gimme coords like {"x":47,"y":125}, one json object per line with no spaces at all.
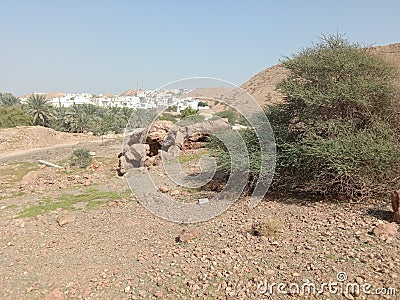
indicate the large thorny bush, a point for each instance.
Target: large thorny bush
{"x":337,"y":131}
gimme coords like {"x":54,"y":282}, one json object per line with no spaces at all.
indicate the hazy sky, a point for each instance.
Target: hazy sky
{"x":111,"y":46}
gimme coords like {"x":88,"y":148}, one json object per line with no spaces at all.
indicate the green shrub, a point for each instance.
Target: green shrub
{"x":202,"y":104}
{"x":228,"y":114}
{"x":337,"y":133}
{"x":188,"y":111}
{"x":172,"y":108}
{"x":81,"y":158}
{"x":11,"y":116}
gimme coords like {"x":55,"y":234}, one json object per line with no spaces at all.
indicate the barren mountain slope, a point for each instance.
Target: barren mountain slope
{"x":262,"y":85}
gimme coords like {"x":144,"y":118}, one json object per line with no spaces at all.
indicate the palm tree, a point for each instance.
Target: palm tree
{"x":8,"y":99}
{"x":40,"y":109}
{"x":77,"y":118}
{"x":126,"y":113}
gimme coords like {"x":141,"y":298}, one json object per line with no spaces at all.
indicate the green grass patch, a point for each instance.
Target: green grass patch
{"x":193,"y":157}
{"x":15,"y":172}
{"x":18,"y":194}
{"x":92,"y":196}
{"x":94,"y":204}
{"x":11,"y":206}
{"x":14,"y":195}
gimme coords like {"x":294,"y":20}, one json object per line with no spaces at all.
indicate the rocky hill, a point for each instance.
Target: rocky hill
{"x":262,"y":85}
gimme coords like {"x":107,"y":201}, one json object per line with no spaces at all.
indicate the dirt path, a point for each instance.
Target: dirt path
{"x":56,"y":152}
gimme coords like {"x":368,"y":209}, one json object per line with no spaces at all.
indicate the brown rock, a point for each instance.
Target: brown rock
{"x":163,"y":189}
{"x":29,"y":178}
{"x":386,"y":229}
{"x":187,"y":235}
{"x":56,"y":294}
{"x":136,"y":155}
{"x":175,"y":192}
{"x":65,"y":219}
{"x":396,"y":217}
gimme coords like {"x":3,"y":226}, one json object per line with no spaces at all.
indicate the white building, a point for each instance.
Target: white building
{"x":71,"y":99}
{"x":188,"y":102}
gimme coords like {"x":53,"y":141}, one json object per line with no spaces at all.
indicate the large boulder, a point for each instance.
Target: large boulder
{"x":159,"y":130}
{"x":207,"y":127}
{"x":136,"y":156}
{"x":136,"y":136}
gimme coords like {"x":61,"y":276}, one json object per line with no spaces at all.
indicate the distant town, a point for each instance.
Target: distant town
{"x":135,"y":99}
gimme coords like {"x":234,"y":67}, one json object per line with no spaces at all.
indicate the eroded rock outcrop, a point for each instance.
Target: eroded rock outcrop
{"x":164,"y":141}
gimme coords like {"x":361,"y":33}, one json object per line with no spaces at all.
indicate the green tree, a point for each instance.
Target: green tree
{"x":11,"y":116}
{"x":77,"y":120}
{"x":41,"y":110}
{"x":188,"y":111}
{"x":172,"y":108}
{"x":202,"y":104}
{"x":8,"y":99}
{"x":337,"y":132}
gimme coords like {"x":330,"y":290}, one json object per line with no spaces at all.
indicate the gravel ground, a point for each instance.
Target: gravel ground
{"x":121,"y":251}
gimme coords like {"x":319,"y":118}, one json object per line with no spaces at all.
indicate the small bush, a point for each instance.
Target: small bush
{"x":229,"y":114}
{"x":202,"y":104}
{"x":81,"y":158}
{"x":188,"y":111}
{"x":267,"y":228}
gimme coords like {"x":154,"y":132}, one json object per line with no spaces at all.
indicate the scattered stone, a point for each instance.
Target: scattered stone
{"x":65,"y":218}
{"x":163,"y":189}
{"x":159,"y":294}
{"x":187,"y":235}
{"x":175,"y":192}
{"x":386,"y":229}
{"x":359,"y":280}
{"x":56,"y":294}
{"x":270,"y":272}
{"x":202,"y":201}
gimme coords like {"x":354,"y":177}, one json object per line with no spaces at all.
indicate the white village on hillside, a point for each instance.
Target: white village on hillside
{"x":139,"y":99}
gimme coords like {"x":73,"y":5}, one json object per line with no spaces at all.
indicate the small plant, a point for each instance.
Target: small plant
{"x":188,"y":111}
{"x":202,"y":104}
{"x":168,"y":117}
{"x":81,"y":158}
{"x":266,"y":228}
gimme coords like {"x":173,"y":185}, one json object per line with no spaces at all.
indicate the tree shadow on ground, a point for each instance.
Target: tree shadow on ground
{"x":385,"y":215}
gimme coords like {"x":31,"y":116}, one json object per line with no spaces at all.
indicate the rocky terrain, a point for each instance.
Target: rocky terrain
{"x":80,"y":234}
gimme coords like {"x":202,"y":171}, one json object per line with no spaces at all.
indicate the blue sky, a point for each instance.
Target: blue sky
{"x":111,"y":46}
